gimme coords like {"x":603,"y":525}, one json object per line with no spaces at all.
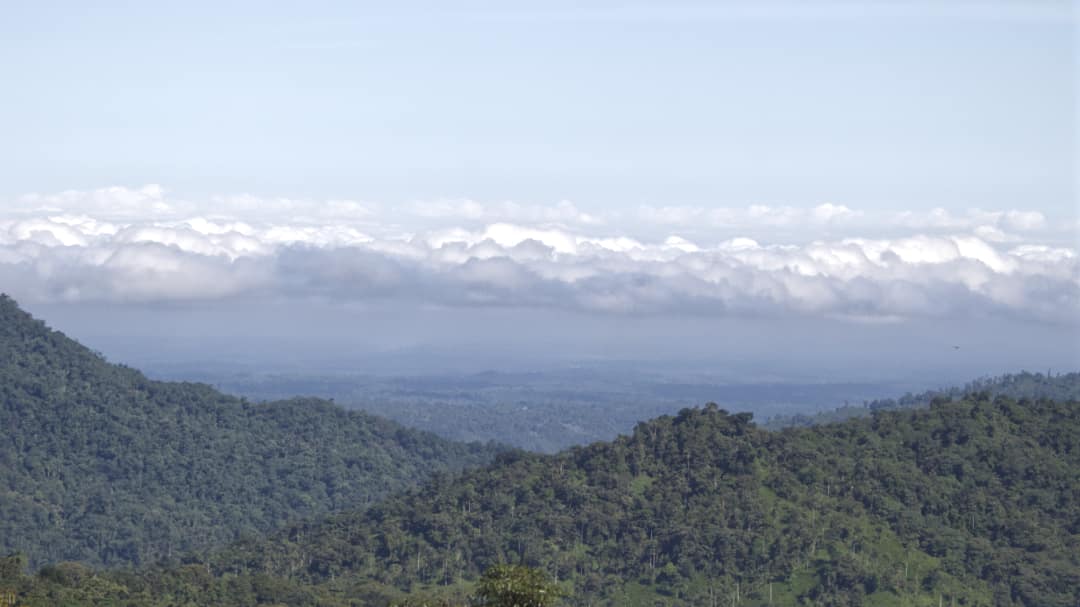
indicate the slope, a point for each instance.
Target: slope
{"x":971,"y":503}
{"x":100,"y":464}
{"x":1063,"y":386}
{"x":975,"y":502}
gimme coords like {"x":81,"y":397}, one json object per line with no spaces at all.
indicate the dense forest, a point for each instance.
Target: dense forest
{"x":971,"y":502}
{"x":98,"y":464}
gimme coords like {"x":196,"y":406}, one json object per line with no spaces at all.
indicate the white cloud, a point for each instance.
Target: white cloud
{"x":561,"y":213}
{"x":993,"y":234}
{"x":107,"y":203}
{"x":119,"y":244}
{"x":1023,"y":221}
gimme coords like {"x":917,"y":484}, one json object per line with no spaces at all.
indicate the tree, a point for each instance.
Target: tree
{"x":516,"y":586}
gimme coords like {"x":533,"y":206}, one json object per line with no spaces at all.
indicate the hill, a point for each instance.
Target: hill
{"x":101,"y":465}
{"x":974,"y":502}
{"x":1063,"y":386}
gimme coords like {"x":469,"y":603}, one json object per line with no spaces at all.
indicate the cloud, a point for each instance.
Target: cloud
{"x":113,"y":202}
{"x":939,"y":218}
{"x":119,"y":244}
{"x":564,"y":212}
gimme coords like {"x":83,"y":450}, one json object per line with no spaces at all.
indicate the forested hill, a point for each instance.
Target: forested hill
{"x":1062,"y":386}
{"x":975,"y":502}
{"x":100,"y":464}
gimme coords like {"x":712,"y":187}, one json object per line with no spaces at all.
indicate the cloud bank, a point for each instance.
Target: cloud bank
{"x":141,"y":245}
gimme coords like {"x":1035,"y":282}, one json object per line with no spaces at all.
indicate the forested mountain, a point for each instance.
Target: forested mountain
{"x":975,"y":502}
{"x":101,"y":465}
{"x":1063,"y":386}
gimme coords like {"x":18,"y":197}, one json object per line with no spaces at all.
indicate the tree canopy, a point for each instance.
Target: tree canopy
{"x":972,"y":502}
{"x":101,"y":465}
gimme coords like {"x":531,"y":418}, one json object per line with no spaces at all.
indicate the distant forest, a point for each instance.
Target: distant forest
{"x":546,"y":411}
{"x":1062,"y":386}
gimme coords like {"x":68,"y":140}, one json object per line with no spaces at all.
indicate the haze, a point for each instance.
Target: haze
{"x":776,"y":190}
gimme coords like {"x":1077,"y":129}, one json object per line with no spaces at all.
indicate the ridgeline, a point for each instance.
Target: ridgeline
{"x":101,"y":465}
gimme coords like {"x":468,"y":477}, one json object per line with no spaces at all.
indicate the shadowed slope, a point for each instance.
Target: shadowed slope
{"x":102,"y":465}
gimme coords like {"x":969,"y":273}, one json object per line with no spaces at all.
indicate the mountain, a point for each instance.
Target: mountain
{"x":101,"y":465}
{"x":974,"y":502}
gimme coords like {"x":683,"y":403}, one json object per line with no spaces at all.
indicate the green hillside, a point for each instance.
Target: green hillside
{"x":968,"y":502}
{"x":101,"y":465}
{"x":975,"y":502}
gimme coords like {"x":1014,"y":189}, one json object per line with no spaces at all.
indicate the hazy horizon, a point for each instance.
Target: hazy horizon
{"x":839,"y":189}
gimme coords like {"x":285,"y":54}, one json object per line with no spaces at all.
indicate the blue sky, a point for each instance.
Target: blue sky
{"x":867,"y":104}
{"x":618,"y":177}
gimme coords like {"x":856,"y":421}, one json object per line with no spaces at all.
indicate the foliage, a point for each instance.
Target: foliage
{"x":516,"y":586}
{"x":968,"y":503}
{"x":101,"y":465}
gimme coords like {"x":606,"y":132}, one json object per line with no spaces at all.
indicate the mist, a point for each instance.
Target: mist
{"x":404,"y":338}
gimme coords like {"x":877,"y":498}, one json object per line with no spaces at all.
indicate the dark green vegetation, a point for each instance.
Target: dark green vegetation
{"x":976,"y":500}
{"x":516,"y":586}
{"x":101,"y":465}
{"x":973,"y":502}
{"x":1063,"y":386}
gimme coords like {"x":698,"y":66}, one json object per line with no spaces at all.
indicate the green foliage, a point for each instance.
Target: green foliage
{"x":516,"y":586}
{"x":973,"y":502}
{"x":966,"y":503}
{"x":101,"y":465}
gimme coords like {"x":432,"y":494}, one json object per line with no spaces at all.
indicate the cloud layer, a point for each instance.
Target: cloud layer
{"x":121,"y":244}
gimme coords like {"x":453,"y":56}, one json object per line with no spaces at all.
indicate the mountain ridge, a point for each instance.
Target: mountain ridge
{"x":971,"y":502}
{"x":971,"y":498}
{"x":105,"y":466}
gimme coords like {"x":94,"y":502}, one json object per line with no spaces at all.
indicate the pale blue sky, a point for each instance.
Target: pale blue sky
{"x":908,"y":168}
{"x":870,"y":105}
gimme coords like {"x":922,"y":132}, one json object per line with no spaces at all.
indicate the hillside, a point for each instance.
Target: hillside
{"x":975,"y":502}
{"x":1063,"y":386}
{"x":101,"y":465}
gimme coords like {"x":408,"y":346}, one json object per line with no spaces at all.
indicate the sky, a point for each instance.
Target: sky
{"x":722,"y":181}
